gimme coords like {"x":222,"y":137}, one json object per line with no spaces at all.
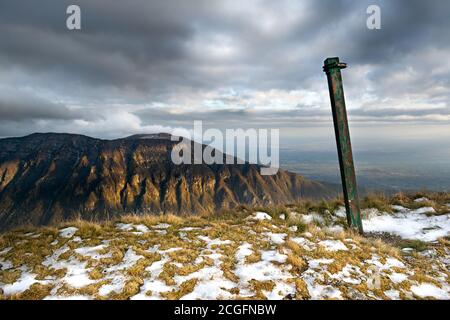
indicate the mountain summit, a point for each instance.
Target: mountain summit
{"x":48,"y":177}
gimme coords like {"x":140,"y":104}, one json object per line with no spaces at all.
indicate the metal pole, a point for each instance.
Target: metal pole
{"x":332,"y":67}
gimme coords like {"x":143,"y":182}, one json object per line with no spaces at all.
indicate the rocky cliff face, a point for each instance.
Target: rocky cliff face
{"x":47,"y":178}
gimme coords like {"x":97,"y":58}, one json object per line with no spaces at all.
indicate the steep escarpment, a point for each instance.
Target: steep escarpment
{"x":47,"y":178}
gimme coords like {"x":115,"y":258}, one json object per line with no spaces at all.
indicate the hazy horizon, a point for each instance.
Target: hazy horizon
{"x":383,"y":161}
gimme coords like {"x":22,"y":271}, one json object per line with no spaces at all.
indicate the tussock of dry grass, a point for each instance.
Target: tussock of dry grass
{"x":185,"y":288}
{"x":436,"y":200}
{"x":378,"y":201}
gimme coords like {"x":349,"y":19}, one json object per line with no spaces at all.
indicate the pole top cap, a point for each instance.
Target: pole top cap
{"x":333,"y":63}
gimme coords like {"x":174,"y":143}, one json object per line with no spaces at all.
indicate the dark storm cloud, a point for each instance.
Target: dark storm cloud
{"x":148,"y":44}
{"x":22,"y":106}
{"x":170,"y":61}
{"x":118,"y":45}
{"x":408,"y":26}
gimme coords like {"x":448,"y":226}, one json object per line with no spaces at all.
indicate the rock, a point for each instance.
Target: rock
{"x":260,"y":216}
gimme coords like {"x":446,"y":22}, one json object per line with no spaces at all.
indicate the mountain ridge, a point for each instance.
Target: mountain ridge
{"x":52,"y":177}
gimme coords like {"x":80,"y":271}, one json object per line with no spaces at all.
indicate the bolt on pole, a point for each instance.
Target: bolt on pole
{"x":332,"y":67}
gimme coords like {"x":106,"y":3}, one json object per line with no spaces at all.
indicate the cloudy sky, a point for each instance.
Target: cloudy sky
{"x":144,"y":66}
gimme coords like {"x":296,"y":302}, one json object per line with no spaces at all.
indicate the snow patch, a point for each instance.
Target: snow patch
{"x":273,"y":255}
{"x":243,"y":251}
{"x":24,"y":282}
{"x":116,"y":277}
{"x":390,"y":262}
{"x":93,"y":252}
{"x":399,"y":208}
{"x":392,"y":294}
{"x":211,"y":283}
{"x":341,"y":212}
{"x":162,"y":226}
{"x":189,"y":229}
{"x":213,"y":242}
{"x":333,"y":245}
{"x":264,"y":270}
{"x":259,"y":215}
{"x":141,"y":228}
{"x":315,"y":263}
{"x":411,"y":224}
{"x":397,"y":277}
{"x":67,"y":232}
{"x":304,"y":243}
{"x":318,"y":291}
{"x":312,"y":217}
{"x":5,"y":264}
{"x":5,"y":251}
{"x":349,"y":274}
{"x":424,"y":210}
{"x":124,"y":226}
{"x":277,"y":238}
{"x":426,"y":290}
{"x":151,"y":282}
{"x":76,"y":276}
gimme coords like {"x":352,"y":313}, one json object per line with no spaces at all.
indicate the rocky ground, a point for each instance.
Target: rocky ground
{"x":290,"y":253}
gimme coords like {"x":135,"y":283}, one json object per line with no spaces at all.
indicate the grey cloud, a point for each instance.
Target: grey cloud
{"x":301,"y":116}
{"x":141,"y":52}
{"x":27,"y":107}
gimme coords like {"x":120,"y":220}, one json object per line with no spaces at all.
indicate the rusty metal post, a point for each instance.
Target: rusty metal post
{"x":332,"y":67}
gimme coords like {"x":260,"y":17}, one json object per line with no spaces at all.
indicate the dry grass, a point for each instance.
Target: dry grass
{"x":378,"y":201}
{"x":299,"y":265}
{"x":185,"y":288}
{"x":32,"y":249}
{"x":436,"y":200}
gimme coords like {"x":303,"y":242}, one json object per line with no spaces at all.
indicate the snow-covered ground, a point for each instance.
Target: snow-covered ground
{"x":409,"y":224}
{"x":260,"y":256}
